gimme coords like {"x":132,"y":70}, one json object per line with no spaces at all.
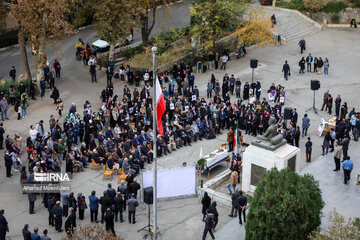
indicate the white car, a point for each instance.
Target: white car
{"x":103,"y":46}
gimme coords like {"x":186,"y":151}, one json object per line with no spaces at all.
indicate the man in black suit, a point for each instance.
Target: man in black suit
{"x":26,"y":233}
{"x":146,"y":151}
{"x":106,"y":203}
{"x":215,"y":124}
{"x":3,"y":225}
{"x":51,"y":204}
{"x":345,"y":146}
{"x":294,"y":117}
{"x":70,"y":222}
{"x":109,"y":221}
{"x":57,"y":211}
{"x":242,"y":206}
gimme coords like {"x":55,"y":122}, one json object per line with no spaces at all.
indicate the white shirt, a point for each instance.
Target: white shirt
{"x":33,"y":134}
{"x":224,"y":59}
{"x":92,"y":60}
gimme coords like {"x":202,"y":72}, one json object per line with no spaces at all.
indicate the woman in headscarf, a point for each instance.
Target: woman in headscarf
{"x":205,"y":201}
{"x":213,"y":210}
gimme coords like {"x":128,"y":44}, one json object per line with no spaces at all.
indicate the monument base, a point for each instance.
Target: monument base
{"x":257,"y":160}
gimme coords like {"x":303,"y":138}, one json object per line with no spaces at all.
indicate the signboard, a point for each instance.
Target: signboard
{"x":321,"y":127}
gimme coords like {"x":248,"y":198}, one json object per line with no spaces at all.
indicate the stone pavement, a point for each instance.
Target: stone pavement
{"x":183,"y":215}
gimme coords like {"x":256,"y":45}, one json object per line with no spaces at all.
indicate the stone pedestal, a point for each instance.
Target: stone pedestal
{"x":257,"y":160}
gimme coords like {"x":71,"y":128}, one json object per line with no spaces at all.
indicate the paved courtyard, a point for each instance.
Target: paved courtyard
{"x":181,"y":218}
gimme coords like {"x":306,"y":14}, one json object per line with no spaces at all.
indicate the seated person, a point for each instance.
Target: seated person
{"x":146,"y":151}
{"x":85,"y":152}
{"x":109,"y":133}
{"x":96,"y":157}
{"x":79,"y":157}
{"x":110,"y":145}
{"x":110,"y":163}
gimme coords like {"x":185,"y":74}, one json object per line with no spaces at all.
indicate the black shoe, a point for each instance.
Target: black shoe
{"x":60,"y":230}
{"x":230,"y":215}
{"x":134,"y":222}
{"x":240,"y":223}
{"x":335,"y":170}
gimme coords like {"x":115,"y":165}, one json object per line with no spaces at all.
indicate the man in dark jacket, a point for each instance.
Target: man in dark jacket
{"x":26,"y":233}
{"x":109,"y":221}
{"x":234,"y":204}
{"x":51,"y":204}
{"x":345,"y":146}
{"x":106,"y":203}
{"x":70,"y":222}
{"x":58,"y":212}
{"x":8,"y":163}
{"x":3,"y":225}
{"x":242,"y":206}
{"x":134,"y":187}
{"x":209,"y":225}
{"x":119,"y":203}
{"x":286,"y":70}
{"x":32,"y":199}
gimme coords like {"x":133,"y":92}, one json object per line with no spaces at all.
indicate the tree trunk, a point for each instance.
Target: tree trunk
{"x":111,"y":51}
{"x":144,"y":36}
{"x":24,"y":59}
{"x":39,"y":61}
{"x":273,"y":3}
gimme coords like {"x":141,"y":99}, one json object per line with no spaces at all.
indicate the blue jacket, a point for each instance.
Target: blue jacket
{"x":35,"y":236}
{"x":94,"y":202}
{"x":308,"y":146}
{"x":305,"y":122}
{"x":347,"y":165}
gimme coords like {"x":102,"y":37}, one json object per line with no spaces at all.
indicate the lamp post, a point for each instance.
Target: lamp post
{"x":154,"y":49}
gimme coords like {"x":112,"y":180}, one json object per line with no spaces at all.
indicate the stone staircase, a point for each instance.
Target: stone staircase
{"x":292,"y":24}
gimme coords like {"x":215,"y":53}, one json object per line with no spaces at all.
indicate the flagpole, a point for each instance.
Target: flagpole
{"x":154,"y":49}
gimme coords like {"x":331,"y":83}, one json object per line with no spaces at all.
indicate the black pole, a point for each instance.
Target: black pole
{"x":252,"y":77}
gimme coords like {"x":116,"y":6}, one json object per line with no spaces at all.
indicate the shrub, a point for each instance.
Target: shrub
{"x":297,"y":5}
{"x":356,"y":3}
{"x":285,"y":206}
{"x":335,"y":7}
{"x":7,"y":82}
{"x":130,"y":52}
{"x":314,"y":5}
{"x":8,"y":38}
{"x":335,"y":18}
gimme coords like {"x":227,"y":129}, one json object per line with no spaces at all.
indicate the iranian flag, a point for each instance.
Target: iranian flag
{"x":160,"y":107}
{"x":236,"y":139}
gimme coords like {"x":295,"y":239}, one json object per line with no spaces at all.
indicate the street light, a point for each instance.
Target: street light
{"x":154,"y":49}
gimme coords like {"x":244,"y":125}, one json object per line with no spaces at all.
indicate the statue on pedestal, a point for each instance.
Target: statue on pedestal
{"x":271,"y":140}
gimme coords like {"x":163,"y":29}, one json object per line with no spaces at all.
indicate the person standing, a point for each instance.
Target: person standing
{"x":326,"y":67}
{"x":337,"y":156}
{"x":333,"y":137}
{"x":205,"y":201}
{"x":230,"y":139}
{"x":234,"y":204}
{"x":12,"y":73}
{"x":105,"y":202}
{"x":234,"y":180}
{"x":42,"y":87}
{"x":58,"y":212}
{"x":132,"y":205}
{"x":119,"y":202}
{"x":35,"y":235}
{"x":81,"y":203}
{"x":326,"y":144}
{"x":319,"y":65}
{"x":4,"y":106}
{"x":32,"y":199}
{"x":51,"y":204}
{"x":308,"y":146}
{"x":345,"y":146}
{"x":191,"y":80}
{"x":286,"y":70}
{"x":217,"y":59}
{"x":242,"y":206}
{"x":94,"y":206}
{"x":337,"y":105}
{"x":26,"y":233}
{"x":109,"y":75}
{"x":325,"y":100}
{"x":329,"y":103}
{"x":57,"y":68}
{"x":302,"y":44}
{"x":214,"y":211}
{"x":309,"y":60}
{"x":224,"y":60}
{"x":8,"y":163}
{"x":45,"y":236}
{"x":4,"y":227}
{"x":297,"y":136}
{"x":109,"y":221}
{"x":93,"y":72}
{"x":64,"y":199}
{"x":347,"y":167}
{"x":305,"y":125}
{"x":302,"y":65}
{"x":209,"y":225}
{"x":70,"y":222}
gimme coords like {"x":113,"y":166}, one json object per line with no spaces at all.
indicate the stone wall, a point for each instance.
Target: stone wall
{"x":345,"y":15}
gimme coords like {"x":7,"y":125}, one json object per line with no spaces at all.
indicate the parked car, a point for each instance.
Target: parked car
{"x":103,"y":46}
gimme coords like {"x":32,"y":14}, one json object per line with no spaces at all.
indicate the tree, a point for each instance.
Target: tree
{"x":41,"y":22}
{"x":114,"y":19}
{"x":339,"y":228}
{"x":314,"y":5}
{"x":285,"y":206}
{"x":257,"y":30}
{"x":211,"y":18}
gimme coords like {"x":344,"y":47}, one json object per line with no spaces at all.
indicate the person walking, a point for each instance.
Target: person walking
{"x":93,"y":72}
{"x":242,"y":206}
{"x":234,"y":180}
{"x":209,"y":225}
{"x":57,"y":68}
{"x":326,"y":144}
{"x":286,"y":70}
{"x":132,"y":205}
{"x":308,"y":146}
{"x":58,"y":213}
{"x":309,"y":60}
{"x":94,"y":206}
{"x":347,"y":167}
{"x":205,"y":201}
{"x":302,"y":65}
{"x":337,"y":156}
{"x":326,"y":67}
{"x":302,"y":44}
{"x":4,"y":227}
{"x":109,"y":221}
{"x":214,"y":211}
{"x":12,"y":73}
{"x":234,"y":204}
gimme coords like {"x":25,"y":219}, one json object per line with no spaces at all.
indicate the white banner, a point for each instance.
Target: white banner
{"x":172,"y":182}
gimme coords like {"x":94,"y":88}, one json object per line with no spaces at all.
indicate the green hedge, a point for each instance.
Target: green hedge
{"x":7,"y":82}
{"x":335,"y":7}
{"x":8,"y":38}
{"x":294,"y":4}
